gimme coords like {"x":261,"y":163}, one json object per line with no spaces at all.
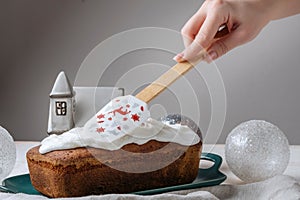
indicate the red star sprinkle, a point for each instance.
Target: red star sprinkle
{"x":100,"y":116}
{"x":142,"y":108}
{"x":100,"y":130}
{"x":135,"y":117}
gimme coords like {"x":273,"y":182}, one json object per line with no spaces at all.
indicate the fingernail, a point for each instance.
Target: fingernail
{"x":212,"y":55}
{"x":179,"y":57}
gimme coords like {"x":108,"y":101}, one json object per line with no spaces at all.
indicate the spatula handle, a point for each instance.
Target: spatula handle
{"x":165,"y":80}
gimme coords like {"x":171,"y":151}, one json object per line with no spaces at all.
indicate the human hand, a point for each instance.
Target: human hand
{"x":244,"y":20}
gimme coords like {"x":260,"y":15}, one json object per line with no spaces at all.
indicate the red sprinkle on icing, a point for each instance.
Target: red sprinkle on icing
{"x":100,"y":116}
{"x":120,"y":111}
{"x":117,"y":100}
{"x":125,"y":119}
{"x":100,"y":130}
{"x":110,"y":118}
{"x":135,"y":117}
{"x":128,"y":106}
{"x":100,"y":121}
{"x":119,"y":127}
{"x":142,"y":108}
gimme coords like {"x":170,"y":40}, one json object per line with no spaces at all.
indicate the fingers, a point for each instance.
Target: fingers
{"x":201,"y":41}
{"x":191,"y":28}
{"x":199,"y":32}
{"x":208,"y":31}
{"x":244,"y":21}
{"x":223,"y":45}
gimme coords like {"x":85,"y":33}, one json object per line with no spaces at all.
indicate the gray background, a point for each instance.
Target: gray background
{"x":39,"y":38}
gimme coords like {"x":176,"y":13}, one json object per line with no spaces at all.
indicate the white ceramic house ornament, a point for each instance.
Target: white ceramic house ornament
{"x":62,"y":105}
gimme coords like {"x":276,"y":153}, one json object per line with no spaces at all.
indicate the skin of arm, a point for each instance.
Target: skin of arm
{"x":244,"y":19}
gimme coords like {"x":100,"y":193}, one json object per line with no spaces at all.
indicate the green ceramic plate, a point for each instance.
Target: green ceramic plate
{"x":206,"y":177}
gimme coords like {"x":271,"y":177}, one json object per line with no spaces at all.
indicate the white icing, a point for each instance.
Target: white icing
{"x":139,"y":132}
{"x":152,"y":130}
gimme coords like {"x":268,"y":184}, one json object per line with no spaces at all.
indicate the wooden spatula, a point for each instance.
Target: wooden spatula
{"x":165,"y":80}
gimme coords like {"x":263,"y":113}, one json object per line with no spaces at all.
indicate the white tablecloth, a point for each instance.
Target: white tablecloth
{"x":281,"y":187}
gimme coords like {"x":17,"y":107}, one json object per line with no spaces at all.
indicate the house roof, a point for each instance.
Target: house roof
{"x":62,"y":86}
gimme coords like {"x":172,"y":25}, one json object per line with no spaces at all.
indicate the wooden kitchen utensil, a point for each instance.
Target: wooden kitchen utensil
{"x":165,"y":80}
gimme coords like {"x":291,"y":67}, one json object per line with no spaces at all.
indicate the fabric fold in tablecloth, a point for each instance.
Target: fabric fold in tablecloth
{"x":276,"y":188}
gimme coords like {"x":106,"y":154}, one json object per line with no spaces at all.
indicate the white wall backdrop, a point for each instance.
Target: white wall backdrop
{"x":40,"y":38}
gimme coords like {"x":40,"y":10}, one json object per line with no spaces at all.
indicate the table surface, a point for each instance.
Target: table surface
{"x":292,"y":169}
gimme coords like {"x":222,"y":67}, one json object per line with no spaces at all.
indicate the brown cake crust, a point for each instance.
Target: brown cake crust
{"x":86,"y":171}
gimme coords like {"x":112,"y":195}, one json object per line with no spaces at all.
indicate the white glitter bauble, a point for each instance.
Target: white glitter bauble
{"x":7,"y":153}
{"x":257,"y":150}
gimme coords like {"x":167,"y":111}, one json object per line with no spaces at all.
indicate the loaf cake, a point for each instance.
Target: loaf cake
{"x":78,"y":172}
{"x":81,"y":162}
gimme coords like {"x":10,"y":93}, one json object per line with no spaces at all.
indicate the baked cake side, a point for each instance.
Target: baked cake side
{"x":85,"y":171}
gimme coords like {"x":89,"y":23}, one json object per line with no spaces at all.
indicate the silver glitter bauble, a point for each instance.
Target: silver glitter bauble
{"x":257,"y":150}
{"x":172,"y":119}
{"x":7,"y":153}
